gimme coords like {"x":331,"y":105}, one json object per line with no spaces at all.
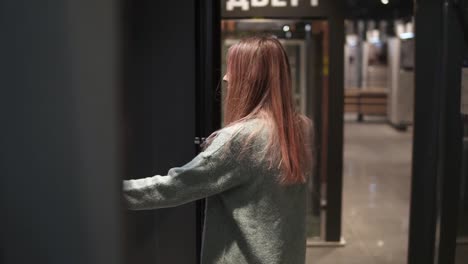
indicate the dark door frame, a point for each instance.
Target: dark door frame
{"x":437,"y":133}
{"x":332,"y":123}
{"x":208,"y":77}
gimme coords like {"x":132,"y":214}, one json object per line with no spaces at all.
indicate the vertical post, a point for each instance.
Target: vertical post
{"x":208,"y":69}
{"x":208,"y":66}
{"x":334,"y":161}
{"x":437,"y":133}
{"x":451,"y":134}
{"x":428,"y":29}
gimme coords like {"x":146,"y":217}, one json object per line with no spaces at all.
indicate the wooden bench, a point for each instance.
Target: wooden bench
{"x":365,"y":102}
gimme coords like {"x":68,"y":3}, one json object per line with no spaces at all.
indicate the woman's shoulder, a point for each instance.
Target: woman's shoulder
{"x":243,"y":128}
{"x":233,"y":136}
{"x":252,"y":131}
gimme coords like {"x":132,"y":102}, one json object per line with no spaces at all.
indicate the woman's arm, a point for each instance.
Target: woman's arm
{"x":210,"y":172}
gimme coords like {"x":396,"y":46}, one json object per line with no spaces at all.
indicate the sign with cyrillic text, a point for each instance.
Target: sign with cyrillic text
{"x":275,"y":8}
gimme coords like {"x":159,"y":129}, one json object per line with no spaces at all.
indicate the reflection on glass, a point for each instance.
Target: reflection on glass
{"x":303,"y":42}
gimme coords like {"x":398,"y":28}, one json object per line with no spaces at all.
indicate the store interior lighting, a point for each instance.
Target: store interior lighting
{"x":407,"y":35}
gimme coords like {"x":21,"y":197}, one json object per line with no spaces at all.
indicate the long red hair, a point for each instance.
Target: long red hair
{"x":259,"y":86}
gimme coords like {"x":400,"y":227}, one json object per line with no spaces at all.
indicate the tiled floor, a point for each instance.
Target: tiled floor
{"x":377,"y":167}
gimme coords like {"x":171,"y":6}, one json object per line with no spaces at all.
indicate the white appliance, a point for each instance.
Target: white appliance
{"x":400,"y":82}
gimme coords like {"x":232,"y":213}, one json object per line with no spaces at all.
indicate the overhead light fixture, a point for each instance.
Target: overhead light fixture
{"x":385,"y":2}
{"x":407,"y":35}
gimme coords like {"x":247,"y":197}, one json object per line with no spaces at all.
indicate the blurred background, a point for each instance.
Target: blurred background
{"x":94,"y":92}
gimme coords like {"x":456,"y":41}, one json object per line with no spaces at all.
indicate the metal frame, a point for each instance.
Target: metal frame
{"x":303,"y":84}
{"x":437,"y":133}
{"x":333,"y":106}
{"x":208,"y":103}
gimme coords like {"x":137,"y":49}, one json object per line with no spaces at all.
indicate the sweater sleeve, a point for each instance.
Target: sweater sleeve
{"x":210,"y":172}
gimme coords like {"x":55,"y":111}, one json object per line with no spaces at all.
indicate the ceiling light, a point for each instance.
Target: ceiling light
{"x":385,"y":2}
{"x":407,"y":35}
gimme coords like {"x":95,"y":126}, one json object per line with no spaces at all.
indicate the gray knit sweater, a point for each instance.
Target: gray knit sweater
{"x":250,"y":218}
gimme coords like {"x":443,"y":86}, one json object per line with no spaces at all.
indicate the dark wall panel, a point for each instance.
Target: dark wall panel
{"x":60,"y":153}
{"x":159,"y":101}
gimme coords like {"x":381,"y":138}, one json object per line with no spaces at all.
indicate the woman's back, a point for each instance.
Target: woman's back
{"x":259,"y":221}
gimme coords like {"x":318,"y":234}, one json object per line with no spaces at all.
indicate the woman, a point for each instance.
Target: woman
{"x":252,"y":172}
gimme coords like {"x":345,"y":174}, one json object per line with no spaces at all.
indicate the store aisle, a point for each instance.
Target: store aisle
{"x":377,"y":169}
